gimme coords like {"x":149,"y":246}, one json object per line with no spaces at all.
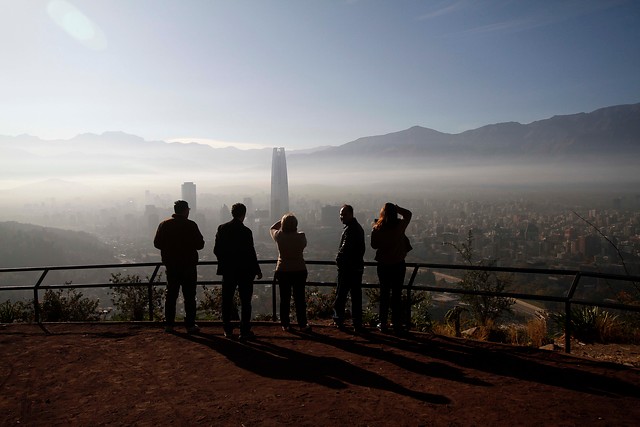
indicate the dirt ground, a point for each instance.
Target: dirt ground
{"x":128,"y":374}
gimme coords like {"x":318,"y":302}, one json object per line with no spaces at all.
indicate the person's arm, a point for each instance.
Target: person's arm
{"x":406,"y":213}
{"x":406,"y":216}
{"x":157,"y":240}
{"x":198,"y":238}
{"x":274,"y":229}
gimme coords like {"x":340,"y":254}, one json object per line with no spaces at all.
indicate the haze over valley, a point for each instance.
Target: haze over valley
{"x":596,"y":150}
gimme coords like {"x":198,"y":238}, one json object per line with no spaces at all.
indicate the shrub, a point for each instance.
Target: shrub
{"x":132,"y":302}
{"x":19,"y":311}
{"x":420,"y":315}
{"x":211,"y":303}
{"x":68,"y":305}
{"x":319,"y":304}
{"x":590,"y":324}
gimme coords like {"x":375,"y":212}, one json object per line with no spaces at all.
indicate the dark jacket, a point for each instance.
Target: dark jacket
{"x":234,"y":249}
{"x":179,"y":240}
{"x":351,"y":250}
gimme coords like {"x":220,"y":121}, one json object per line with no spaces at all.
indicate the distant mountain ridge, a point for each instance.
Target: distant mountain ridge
{"x":605,"y":137}
{"x":606,"y":131}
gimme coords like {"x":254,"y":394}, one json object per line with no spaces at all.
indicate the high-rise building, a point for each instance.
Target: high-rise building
{"x":189,"y":194}
{"x":279,"y":185}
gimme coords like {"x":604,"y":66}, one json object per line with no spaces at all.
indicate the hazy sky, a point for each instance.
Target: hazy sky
{"x":304,"y":73}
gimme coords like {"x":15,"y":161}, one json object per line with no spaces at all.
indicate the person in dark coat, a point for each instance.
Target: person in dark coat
{"x":179,"y":241}
{"x":350,"y":265}
{"x":238,"y":266}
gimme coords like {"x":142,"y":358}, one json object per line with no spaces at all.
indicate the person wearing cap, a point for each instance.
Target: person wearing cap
{"x":179,"y":240}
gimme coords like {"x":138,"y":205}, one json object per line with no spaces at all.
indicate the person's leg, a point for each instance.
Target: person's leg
{"x":173,"y":289}
{"x":385,"y":291}
{"x":245,"y":289}
{"x":228,"y":291}
{"x":342,"y":291}
{"x":397,"y":311}
{"x":356,"y":298}
{"x":285,"y":298}
{"x":189,"y":285}
{"x":299,"y":298}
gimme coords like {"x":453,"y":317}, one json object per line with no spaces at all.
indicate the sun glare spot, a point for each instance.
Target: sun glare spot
{"x":77,"y":24}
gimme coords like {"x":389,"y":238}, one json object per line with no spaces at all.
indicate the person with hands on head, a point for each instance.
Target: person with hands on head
{"x":392,"y":245}
{"x":291,"y":270}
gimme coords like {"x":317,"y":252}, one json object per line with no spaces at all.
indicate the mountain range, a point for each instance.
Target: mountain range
{"x":608,"y":132}
{"x":602,"y":142}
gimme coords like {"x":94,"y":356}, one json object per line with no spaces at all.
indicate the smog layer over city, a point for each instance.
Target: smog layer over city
{"x":520,"y":124}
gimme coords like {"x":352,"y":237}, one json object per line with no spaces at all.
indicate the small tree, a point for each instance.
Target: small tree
{"x":485,"y":309}
{"x":420,"y":315}
{"x":132,"y":302}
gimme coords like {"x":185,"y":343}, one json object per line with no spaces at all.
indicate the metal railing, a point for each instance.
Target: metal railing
{"x":568,"y":299}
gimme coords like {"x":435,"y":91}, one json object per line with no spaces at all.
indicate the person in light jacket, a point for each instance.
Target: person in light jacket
{"x":291,"y":270}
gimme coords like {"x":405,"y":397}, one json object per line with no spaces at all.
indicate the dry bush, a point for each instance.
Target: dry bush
{"x":537,"y":332}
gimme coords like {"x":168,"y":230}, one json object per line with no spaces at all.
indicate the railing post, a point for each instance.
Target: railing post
{"x":567,"y":327}
{"x":150,"y":289}
{"x":36,"y":302}
{"x":567,"y":314}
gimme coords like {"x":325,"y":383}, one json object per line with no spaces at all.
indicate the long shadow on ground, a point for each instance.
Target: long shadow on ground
{"x":273,"y":361}
{"x":522,"y":363}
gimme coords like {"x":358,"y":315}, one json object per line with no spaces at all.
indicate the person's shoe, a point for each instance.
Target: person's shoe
{"x":306,"y":328}
{"x":382,"y":327}
{"x":286,"y":328}
{"x":193,"y":329}
{"x":228,"y":333}
{"x":247,"y":335}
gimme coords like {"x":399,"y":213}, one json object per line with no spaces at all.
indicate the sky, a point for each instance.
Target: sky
{"x":307,"y":73}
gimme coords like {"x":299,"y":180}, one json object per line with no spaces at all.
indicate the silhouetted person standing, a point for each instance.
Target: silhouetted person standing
{"x":179,"y":241}
{"x":238,"y":265}
{"x":350,"y":264}
{"x":391,"y":244}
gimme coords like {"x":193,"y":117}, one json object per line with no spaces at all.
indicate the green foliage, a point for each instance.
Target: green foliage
{"x":19,"y":311}
{"x":590,"y":324}
{"x":68,"y":305}
{"x":420,"y":315}
{"x":211,"y":303}
{"x":319,"y":304}
{"x":132,"y":302}
{"x":483,"y":308}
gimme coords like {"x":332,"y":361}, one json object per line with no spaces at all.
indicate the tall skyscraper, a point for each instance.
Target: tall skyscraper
{"x":189,"y":194}
{"x":279,"y":185}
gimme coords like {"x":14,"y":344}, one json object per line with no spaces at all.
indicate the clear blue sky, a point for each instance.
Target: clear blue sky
{"x":305,"y":73}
